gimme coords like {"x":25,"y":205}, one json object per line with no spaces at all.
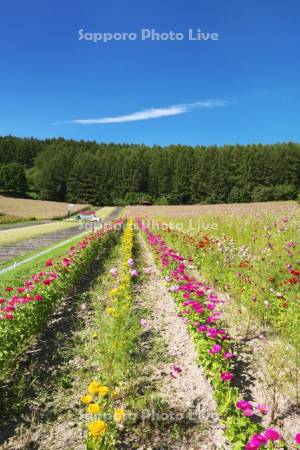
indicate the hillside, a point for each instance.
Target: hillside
{"x":38,"y":209}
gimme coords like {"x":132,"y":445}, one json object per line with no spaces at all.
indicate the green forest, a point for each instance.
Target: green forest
{"x":118,"y":174}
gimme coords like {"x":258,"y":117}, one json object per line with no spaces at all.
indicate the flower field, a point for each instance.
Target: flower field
{"x":185,"y":337}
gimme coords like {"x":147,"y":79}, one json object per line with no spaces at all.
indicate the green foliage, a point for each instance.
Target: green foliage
{"x":13,"y":178}
{"x":119,"y":174}
{"x":269,"y":193}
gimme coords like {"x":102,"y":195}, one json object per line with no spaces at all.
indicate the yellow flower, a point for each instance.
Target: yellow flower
{"x":103,"y":390}
{"x":111,"y":311}
{"x":94,"y":335}
{"x":114,"y":292}
{"x":119,"y":415}
{"x":93,"y":408}
{"x":86,"y":399}
{"x":93,"y":387}
{"x":97,"y":428}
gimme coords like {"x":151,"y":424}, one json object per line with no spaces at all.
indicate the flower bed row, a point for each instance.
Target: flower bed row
{"x":198,"y":306}
{"x":262,"y":274}
{"x":118,"y":327}
{"x":24,"y":310}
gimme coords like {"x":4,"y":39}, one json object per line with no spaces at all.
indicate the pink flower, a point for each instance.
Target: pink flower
{"x":9,"y":316}
{"x":21,"y":289}
{"x":144,"y":323}
{"x":49,"y":262}
{"x":38,"y":297}
{"x":113,"y":271}
{"x":272,"y":434}
{"x":131,"y":262}
{"x":226,"y":376}
{"x":215,"y":349}
{"x":297,"y":438}
{"x":260,"y":438}
{"x":9,"y":289}
{"x":252,"y":445}
{"x":262,"y":408}
{"x":256,"y":442}
{"x":134,"y":273}
{"x":176,"y":370}
{"x":243,"y":405}
{"x":228,"y":355}
{"x":202,"y":328}
{"x":66,"y":262}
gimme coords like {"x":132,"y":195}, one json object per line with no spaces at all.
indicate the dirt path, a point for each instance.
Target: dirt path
{"x":186,"y":393}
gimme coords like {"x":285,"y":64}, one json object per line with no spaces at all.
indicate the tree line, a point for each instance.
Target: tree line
{"x":117,"y":174}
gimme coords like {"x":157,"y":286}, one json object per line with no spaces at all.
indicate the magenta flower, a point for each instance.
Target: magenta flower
{"x":215,"y":349}
{"x":243,"y":405}
{"x":226,"y":376}
{"x":252,"y":445}
{"x":272,"y":434}
{"x":260,"y":438}
{"x":297,"y":438}
{"x":256,"y":442}
{"x":228,"y":355}
{"x":134,"y":273}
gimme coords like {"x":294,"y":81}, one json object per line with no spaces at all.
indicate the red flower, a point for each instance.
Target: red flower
{"x":8,"y":289}
{"x":293,"y":280}
{"x":49,"y":262}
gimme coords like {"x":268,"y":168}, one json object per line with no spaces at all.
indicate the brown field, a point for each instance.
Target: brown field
{"x":236,"y":209}
{"x":23,"y":208}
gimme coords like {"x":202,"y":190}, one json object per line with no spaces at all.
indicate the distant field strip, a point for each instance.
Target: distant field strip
{"x":39,"y":209}
{"x":38,"y":255}
{"x":14,"y":235}
{"x":12,"y":251}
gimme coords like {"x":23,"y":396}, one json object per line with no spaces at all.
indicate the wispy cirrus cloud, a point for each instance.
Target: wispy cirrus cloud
{"x":153,"y":113}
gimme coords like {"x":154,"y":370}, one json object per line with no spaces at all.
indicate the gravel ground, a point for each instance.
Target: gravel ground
{"x":189,"y":393}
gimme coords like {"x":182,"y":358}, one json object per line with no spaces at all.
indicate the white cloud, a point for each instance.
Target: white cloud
{"x":153,"y":113}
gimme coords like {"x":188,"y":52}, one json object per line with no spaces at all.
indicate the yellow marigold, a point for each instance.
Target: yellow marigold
{"x":86,"y":399}
{"x":97,"y":428}
{"x":93,"y":408}
{"x":103,"y":390}
{"x":93,"y":387}
{"x":119,"y":415}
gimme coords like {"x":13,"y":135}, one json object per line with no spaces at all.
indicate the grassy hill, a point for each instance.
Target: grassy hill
{"x":18,"y":209}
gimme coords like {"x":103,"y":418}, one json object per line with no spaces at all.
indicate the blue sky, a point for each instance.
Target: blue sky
{"x":243,"y":88}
